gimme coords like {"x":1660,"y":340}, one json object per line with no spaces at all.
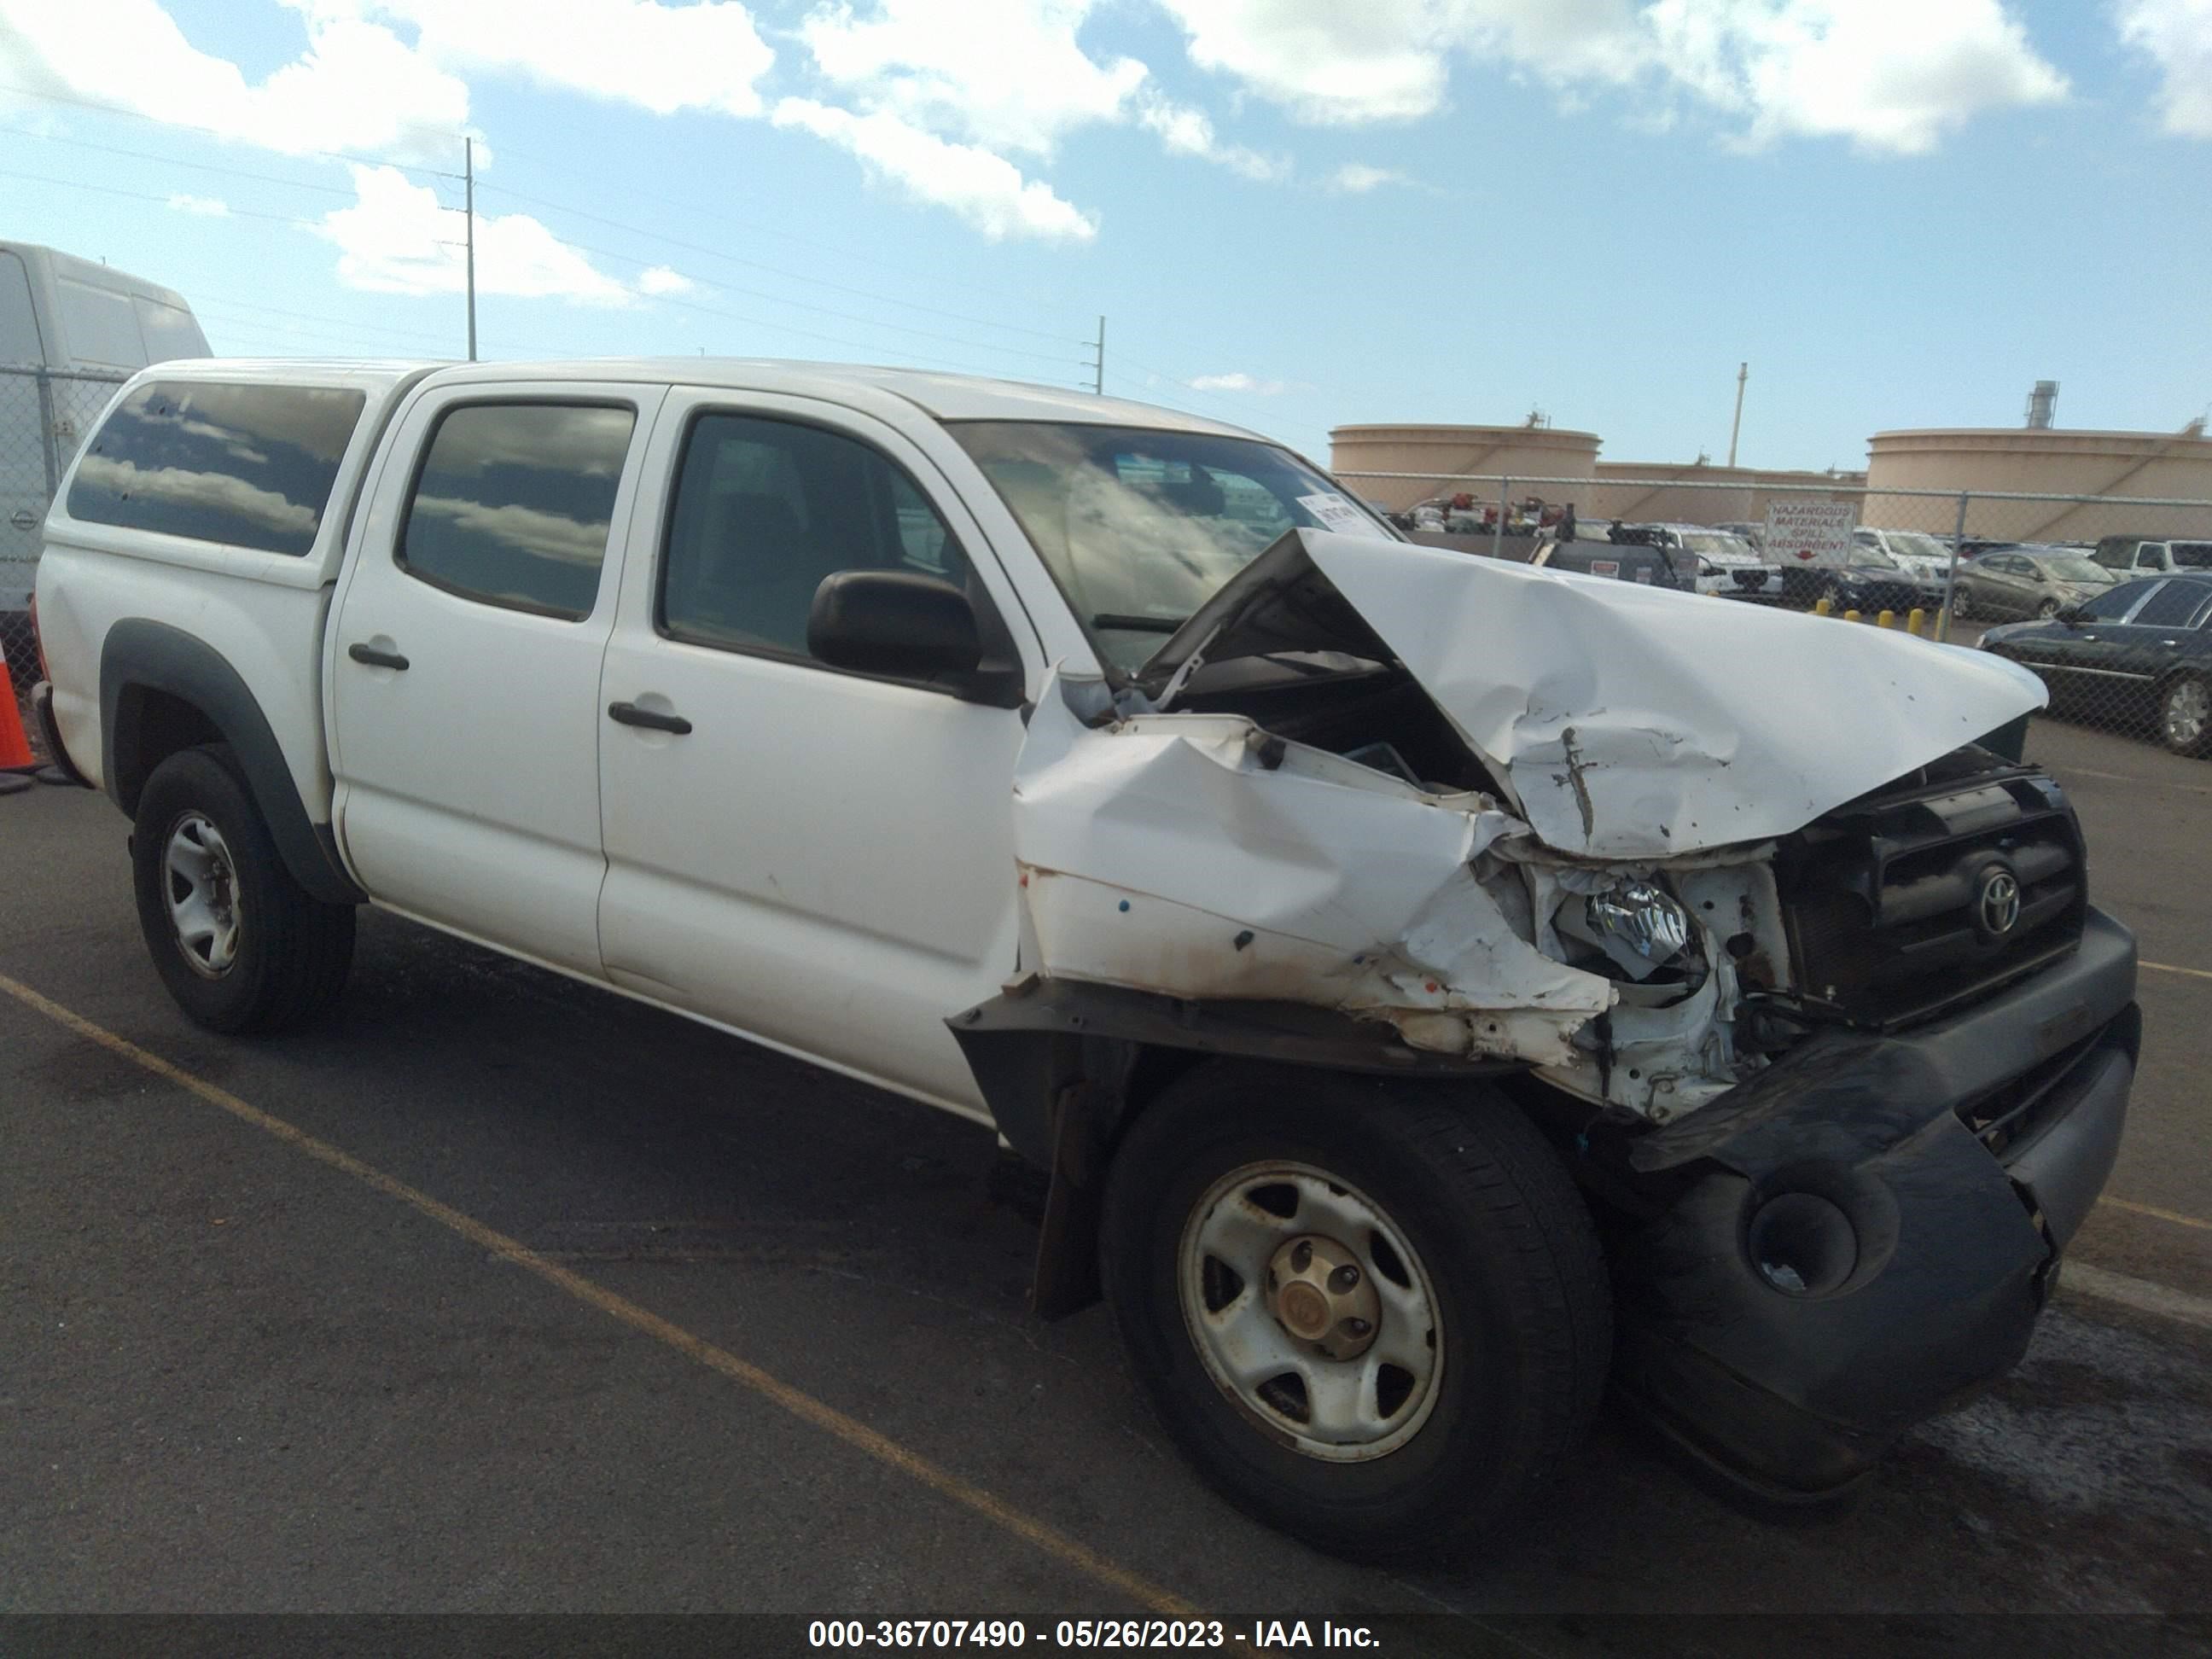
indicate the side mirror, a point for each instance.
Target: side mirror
{"x":2068,"y":614}
{"x":894,"y":623}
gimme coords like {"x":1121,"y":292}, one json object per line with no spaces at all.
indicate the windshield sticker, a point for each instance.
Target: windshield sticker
{"x":1334,"y":511}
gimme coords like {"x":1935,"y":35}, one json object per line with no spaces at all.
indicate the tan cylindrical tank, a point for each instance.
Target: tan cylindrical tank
{"x":2050,"y":461}
{"x":1434,"y":452}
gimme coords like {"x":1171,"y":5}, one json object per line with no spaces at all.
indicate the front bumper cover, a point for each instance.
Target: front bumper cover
{"x":1964,"y":1155}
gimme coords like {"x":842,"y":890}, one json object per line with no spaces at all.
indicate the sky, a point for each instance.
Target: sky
{"x":1292,"y":214}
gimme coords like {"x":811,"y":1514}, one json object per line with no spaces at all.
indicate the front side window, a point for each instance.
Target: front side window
{"x":246,"y":466}
{"x":766,"y":509}
{"x":1139,"y":527}
{"x":515,"y":501}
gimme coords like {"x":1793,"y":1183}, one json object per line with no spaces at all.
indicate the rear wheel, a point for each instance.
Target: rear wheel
{"x":240,"y":943}
{"x":2185,"y":715}
{"x":1374,"y":1316}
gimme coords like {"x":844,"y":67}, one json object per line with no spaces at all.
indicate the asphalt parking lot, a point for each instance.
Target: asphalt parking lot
{"x":498,"y":1294}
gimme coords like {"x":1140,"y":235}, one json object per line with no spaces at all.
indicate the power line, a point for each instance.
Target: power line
{"x":777,"y":270}
{"x":759,"y":227}
{"x":233,"y":137}
{"x":228,"y":212}
{"x":178,"y":161}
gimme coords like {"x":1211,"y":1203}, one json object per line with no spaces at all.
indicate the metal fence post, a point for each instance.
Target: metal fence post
{"x":1951,"y":576}
{"x":46,"y":433}
{"x":1497,"y":531}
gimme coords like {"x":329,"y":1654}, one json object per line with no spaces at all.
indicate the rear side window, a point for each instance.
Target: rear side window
{"x":2192,"y":556}
{"x":2172,"y":605}
{"x":515,"y":501}
{"x":242,"y":465}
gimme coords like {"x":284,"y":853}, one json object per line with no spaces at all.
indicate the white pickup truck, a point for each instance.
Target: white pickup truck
{"x":1432,"y":985}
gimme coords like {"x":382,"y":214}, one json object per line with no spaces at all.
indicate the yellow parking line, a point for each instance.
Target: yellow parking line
{"x":2174,"y":1216}
{"x":853,"y":1433}
{"x":2168,"y":968}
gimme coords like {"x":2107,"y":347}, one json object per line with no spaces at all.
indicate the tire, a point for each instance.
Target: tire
{"x":240,"y":945}
{"x":2185,"y":715}
{"x":2046,"y":610}
{"x":1495,"y":1256}
{"x":1962,"y":606}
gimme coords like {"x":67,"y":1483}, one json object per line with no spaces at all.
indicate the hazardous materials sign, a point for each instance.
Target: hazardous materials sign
{"x":1810,"y":532}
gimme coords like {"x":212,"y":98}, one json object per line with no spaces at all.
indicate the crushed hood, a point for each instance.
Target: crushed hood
{"x":1627,"y":721}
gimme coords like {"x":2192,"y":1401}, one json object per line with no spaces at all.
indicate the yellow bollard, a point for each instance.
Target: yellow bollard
{"x":1850,"y":616}
{"x":1916,"y":622}
{"x":1886,"y":619}
{"x":1825,"y":607}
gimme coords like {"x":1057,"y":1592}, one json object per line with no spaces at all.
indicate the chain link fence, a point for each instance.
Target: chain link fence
{"x":44,"y":418}
{"x":2108,"y":598}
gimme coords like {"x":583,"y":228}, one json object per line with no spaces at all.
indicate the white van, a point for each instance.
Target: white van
{"x":71,"y":330}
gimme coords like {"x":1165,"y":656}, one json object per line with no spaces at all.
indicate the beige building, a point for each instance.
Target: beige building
{"x":2047,"y":461}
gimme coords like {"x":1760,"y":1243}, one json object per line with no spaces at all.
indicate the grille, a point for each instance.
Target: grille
{"x":1754,"y":580}
{"x":1885,"y":897}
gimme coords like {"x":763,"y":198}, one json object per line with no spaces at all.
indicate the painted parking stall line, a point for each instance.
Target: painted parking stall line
{"x":1045,"y":1537}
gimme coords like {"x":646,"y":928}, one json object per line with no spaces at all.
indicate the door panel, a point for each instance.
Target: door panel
{"x":824,"y":860}
{"x":468,"y":778}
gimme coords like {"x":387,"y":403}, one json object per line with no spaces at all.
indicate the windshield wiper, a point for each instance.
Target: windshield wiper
{"x":1135,"y":625}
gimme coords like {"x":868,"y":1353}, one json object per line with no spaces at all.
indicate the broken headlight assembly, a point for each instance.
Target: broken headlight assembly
{"x":1640,"y":929}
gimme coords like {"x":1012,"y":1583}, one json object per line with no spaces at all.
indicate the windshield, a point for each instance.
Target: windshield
{"x":1139,"y":528}
{"x":1715,"y":545}
{"x":1914,"y":545}
{"x":2073,"y":567}
{"x":1867,"y":553}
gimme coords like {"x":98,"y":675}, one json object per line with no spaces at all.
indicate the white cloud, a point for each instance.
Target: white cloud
{"x":2177,"y":34}
{"x":210,"y":207}
{"x":1357,"y":179}
{"x":707,"y":56}
{"x":1237,"y":380}
{"x":1183,"y":131}
{"x":397,"y":238}
{"x":1889,"y":74}
{"x":1006,"y":74}
{"x":356,"y":86}
{"x":659,"y":279}
{"x":985,"y":189}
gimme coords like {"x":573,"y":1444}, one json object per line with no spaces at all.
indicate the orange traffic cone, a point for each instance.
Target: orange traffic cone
{"x":14,"y":747}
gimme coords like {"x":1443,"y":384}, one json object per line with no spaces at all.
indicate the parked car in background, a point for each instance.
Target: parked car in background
{"x":2141,"y":555}
{"x":2026,"y":581}
{"x":1753,"y":533}
{"x":1915,"y":549}
{"x":1872,"y":581}
{"x":1716,"y":560}
{"x":1627,"y":562}
{"x":2140,"y":651}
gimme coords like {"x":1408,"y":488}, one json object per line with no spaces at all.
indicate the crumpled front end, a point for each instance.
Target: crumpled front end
{"x":1199,"y":857}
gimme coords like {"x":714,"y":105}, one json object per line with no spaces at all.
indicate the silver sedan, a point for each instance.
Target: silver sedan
{"x":2026,"y":581}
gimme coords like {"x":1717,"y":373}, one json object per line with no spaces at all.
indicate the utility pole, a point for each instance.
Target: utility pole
{"x":1097,"y":363}
{"x":1742,"y":374}
{"x":469,"y":190}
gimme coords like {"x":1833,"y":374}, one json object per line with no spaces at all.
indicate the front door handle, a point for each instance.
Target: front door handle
{"x":629,"y":714}
{"x":374,"y":658}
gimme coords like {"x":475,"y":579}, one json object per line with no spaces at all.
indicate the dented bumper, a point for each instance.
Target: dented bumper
{"x":1960,"y":1159}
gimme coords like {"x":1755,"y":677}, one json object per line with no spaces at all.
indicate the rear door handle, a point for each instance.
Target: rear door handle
{"x":374,"y":658}
{"x":629,"y":714}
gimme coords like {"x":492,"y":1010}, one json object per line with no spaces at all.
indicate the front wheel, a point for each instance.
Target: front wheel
{"x":1961,"y":605}
{"x":2046,"y":610}
{"x":2185,"y":715}
{"x":1375,"y":1317}
{"x":240,"y":943}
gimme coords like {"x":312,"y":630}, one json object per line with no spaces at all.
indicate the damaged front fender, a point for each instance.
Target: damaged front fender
{"x":1197,"y":856}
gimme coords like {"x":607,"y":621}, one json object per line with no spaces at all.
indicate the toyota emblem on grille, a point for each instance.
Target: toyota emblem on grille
{"x":1999,"y":904}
